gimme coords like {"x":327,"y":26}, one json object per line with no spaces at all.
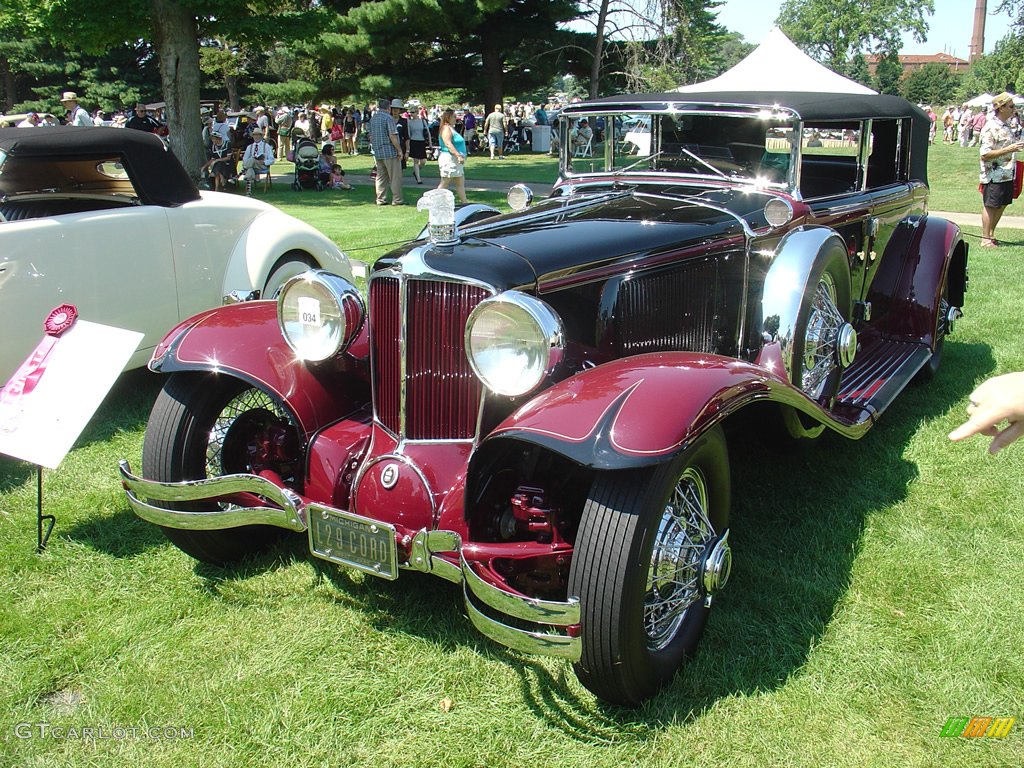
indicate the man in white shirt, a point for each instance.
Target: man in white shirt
{"x":31,"y":121}
{"x":257,"y":158}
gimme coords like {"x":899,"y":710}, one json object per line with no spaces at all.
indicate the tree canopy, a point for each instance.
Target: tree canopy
{"x":836,"y":31}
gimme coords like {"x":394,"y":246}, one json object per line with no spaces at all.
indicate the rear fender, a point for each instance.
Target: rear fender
{"x":243,"y":340}
{"x":642,"y":410}
{"x":938,"y":253}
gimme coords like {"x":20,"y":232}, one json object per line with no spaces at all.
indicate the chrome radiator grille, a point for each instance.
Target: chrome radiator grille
{"x":435,"y":392}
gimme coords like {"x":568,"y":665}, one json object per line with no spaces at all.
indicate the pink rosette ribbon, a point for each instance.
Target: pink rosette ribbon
{"x":27,"y":376}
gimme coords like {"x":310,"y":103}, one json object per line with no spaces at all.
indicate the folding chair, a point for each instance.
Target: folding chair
{"x":584,"y":150}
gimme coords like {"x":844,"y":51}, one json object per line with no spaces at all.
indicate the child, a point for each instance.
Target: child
{"x":337,"y":179}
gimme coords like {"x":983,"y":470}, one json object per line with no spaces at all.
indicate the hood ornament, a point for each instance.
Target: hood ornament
{"x":440,"y":207}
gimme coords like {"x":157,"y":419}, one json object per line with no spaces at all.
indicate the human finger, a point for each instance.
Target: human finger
{"x":981,"y":418}
{"x":1007,"y":436}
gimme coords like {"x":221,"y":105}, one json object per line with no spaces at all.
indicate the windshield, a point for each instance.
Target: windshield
{"x":737,"y":147}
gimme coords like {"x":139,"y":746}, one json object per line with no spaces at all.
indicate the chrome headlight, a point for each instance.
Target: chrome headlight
{"x":519,"y":197}
{"x":513,"y":341}
{"x":319,"y":314}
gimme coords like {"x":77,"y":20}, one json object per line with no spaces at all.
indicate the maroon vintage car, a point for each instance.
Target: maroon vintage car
{"x":534,"y":404}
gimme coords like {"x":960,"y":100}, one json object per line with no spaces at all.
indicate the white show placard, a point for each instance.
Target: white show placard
{"x":41,"y":425}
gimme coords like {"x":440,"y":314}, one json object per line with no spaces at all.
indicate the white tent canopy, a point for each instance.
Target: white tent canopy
{"x":980,"y":101}
{"x":778,"y":65}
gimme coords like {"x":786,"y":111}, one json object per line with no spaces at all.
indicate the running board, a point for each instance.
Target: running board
{"x":880,"y":373}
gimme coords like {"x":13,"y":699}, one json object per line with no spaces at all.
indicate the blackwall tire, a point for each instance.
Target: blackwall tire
{"x":629,"y":542}
{"x":199,"y":427}
{"x":931,"y":369}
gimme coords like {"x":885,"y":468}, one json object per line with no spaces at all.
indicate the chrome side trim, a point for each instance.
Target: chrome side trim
{"x":290,"y":514}
{"x":540,"y":643}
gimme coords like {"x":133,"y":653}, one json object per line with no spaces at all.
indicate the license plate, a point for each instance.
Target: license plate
{"x":354,"y":541}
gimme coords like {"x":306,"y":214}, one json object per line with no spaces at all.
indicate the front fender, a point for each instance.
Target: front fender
{"x":640,"y":410}
{"x":243,"y":340}
{"x":270,"y":236}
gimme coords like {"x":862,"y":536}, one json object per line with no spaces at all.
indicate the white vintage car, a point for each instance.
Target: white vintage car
{"x":108,"y":220}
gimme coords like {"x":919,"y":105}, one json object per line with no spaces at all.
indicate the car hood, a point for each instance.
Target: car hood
{"x":572,"y":235}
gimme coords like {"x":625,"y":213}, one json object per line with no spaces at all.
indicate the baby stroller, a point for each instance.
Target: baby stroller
{"x":511,"y":140}
{"x":307,"y":166}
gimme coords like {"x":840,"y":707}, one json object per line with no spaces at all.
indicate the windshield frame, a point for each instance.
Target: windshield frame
{"x":608,"y":159}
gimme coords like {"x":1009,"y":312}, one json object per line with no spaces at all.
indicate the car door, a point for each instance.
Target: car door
{"x":115,"y":266}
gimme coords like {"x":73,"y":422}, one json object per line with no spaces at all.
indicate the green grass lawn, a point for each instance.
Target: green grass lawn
{"x":875,"y":593}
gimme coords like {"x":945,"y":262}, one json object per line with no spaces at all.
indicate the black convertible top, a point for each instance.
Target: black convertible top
{"x":807,"y":105}
{"x":156,"y":175}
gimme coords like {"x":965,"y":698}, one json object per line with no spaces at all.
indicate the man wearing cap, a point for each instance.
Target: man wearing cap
{"x":31,"y":121}
{"x":76,"y":115}
{"x":257,"y":158}
{"x":387,"y":153}
{"x":997,"y":167}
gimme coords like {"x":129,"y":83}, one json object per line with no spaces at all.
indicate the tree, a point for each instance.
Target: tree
{"x":483,"y":48}
{"x":680,"y":47}
{"x":931,"y":84}
{"x":174,"y":27}
{"x":834,"y":31}
{"x":1001,"y":70}
{"x":888,"y":74}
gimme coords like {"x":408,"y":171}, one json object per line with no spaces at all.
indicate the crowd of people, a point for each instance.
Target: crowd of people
{"x":141,"y":118}
{"x":997,"y":130}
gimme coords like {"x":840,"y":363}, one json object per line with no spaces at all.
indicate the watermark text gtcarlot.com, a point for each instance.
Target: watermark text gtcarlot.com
{"x":101,"y":732}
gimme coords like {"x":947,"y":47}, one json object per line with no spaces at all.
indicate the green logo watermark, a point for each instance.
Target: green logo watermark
{"x":978,"y":727}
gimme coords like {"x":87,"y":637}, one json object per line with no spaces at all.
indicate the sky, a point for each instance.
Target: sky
{"x":949,"y":28}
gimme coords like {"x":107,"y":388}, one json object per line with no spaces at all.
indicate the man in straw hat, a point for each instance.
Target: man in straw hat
{"x":997,"y":167}
{"x":257,"y":158}
{"x":76,"y":115}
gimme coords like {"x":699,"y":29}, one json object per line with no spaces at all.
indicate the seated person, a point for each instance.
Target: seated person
{"x":337,"y":179}
{"x":329,"y":170}
{"x":219,"y":162}
{"x":258,"y":158}
{"x":581,"y":135}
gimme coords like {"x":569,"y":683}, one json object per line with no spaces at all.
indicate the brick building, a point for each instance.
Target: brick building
{"x":911,"y":62}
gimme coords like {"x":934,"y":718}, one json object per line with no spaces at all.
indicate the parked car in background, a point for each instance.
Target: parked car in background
{"x":108,"y":220}
{"x":538,"y":405}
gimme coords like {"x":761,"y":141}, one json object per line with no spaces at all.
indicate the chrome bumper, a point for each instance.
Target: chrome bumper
{"x":288,"y":514}
{"x":482,"y":599}
{"x":548,"y":616}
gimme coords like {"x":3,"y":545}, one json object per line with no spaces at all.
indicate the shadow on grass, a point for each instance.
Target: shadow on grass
{"x":797,"y":521}
{"x":121,"y":535}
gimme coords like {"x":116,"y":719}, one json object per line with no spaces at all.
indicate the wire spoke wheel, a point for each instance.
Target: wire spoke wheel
{"x":673,"y":581}
{"x":207,"y":426}
{"x":820,"y":339}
